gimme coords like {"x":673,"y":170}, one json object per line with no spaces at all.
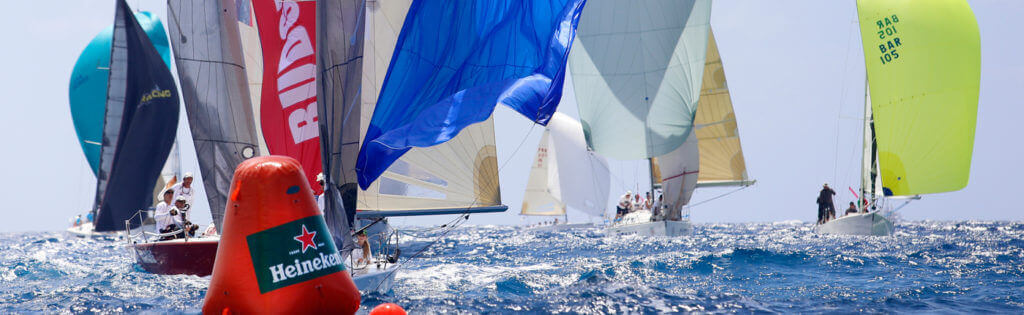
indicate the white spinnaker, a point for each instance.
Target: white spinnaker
{"x":253,"y":55}
{"x":460,"y":173}
{"x":679,"y":171}
{"x":637,"y":69}
{"x":584,"y":178}
{"x":721,"y":156}
{"x":539,"y":199}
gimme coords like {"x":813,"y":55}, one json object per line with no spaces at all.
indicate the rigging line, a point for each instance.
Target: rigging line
{"x":842,"y":97}
{"x":462,"y":218}
{"x":719,"y":196}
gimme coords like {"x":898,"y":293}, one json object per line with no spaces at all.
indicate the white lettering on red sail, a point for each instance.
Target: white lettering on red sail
{"x":288,"y":110}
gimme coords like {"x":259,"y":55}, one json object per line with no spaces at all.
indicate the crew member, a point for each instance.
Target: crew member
{"x":184,"y":188}
{"x":851,"y":209}
{"x":624,"y":203}
{"x":167,"y":218}
{"x":180,"y":211}
{"x":825,"y":205}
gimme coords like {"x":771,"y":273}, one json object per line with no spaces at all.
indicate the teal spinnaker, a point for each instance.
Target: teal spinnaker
{"x":87,"y":91}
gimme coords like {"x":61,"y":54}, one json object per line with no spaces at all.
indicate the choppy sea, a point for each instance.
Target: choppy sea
{"x":937,"y":267}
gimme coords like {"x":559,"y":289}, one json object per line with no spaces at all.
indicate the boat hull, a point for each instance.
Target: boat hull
{"x":656,"y":228}
{"x":174,"y":257}
{"x":560,"y":227}
{"x":872,"y":223}
{"x":374,"y":280}
{"x":85,"y":230}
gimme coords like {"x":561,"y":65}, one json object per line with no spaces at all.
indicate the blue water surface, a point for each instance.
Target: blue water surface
{"x":966,"y":267}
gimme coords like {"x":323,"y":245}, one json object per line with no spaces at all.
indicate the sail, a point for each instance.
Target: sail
{"x":923,"y":62}
{"x":721,"y":156}
{"x":87,"y":91}
{"x":680,"y":171}
{"x":248,"y":30}
{"x":455,"y":61}
{"x":207,"y":51}
{"x":637,"y":72}
{"x":140,"y":125}
{"x":340,"y":33}
{"x":542,"y":196}
{"x":458,"y":176}
{"x":585,"y":179}
{"x":288,"y":107}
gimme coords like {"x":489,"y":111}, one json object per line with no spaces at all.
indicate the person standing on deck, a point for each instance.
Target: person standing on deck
{"x":825,"y":205}
{"x":648,"y":201}
{"x":184,"y":188}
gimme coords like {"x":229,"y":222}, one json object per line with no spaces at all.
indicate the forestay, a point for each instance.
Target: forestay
{"x":207,"y":50}
{"x":923,"y":62}
{"x":637,"y":71}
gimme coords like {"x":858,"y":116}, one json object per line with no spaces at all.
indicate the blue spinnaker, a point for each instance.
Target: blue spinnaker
{"x":455,"y":60}
{"x":87,"y":91}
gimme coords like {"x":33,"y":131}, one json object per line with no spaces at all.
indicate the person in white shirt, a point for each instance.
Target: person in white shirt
{"x":181,"y":207}
{"x":320,"y":197}
{"x":167,"y":218}
{"x":624,"y":204}
{"x":184,"y":188}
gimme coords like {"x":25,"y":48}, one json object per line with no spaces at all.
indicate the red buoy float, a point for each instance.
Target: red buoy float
{"x":276,"y":254}
{"x":388,"y":309}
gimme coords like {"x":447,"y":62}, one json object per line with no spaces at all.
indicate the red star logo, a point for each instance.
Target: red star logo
{"x":306,"y":238}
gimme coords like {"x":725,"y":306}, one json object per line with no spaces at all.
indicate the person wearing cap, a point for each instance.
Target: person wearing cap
{"x":624,"y":204}
{"x":180,"y":211}
{"x":167,"y":218}
{"x":320,"y":198}
{"x":184,"y":188}
{"x":826,"y":208}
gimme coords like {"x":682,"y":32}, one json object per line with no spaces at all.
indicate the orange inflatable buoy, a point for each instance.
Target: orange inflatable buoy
{"x":276,"y":254}
{"x":388,"y":309}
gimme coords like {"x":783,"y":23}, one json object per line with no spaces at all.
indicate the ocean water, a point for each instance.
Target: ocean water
{"x":968,"y":267}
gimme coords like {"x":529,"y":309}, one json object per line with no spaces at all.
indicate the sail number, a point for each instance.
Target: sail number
{"x":888,"y":37}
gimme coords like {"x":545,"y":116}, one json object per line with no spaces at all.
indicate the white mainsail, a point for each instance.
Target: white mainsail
{"x":248,"y":30}
{"x":565,"y":173}
{"x":542,"y":196}
{"x":637,"y":73}
{"x":453,"y":177}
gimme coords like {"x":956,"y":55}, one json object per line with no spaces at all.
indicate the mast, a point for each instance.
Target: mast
{"x":866,"y":159}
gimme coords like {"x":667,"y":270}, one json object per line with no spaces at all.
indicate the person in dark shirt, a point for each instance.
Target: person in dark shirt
{"x":826,"y":208}
{"x":851,"y":209}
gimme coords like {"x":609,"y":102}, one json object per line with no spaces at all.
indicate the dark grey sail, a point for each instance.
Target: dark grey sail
{"x":140,"y":124}
{"x":339,"y":63}
{"x":208,"y":51}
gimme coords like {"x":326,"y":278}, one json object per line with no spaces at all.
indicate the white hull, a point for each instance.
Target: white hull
{"x":872,"y":223}
{"x":371,"y":279}
{"x":656,"y":228}
{"x":559,"y":227}
{"x":86,"y":230}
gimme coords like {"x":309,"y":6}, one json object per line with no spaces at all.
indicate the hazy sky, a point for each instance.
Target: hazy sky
{"x":795,"y":70}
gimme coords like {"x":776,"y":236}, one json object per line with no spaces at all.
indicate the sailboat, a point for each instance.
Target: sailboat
{"x":923,"y":63}
{"x":562,"y":154}
{"x":658,"y":95}
{"x":88,"y":103}
{"x":207,"y":52}
{"x":139,"y":127}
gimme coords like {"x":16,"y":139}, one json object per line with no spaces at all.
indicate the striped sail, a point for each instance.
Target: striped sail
{"x":923,"y":62}
{"x":721,"y":156}
{"x":248,"y":30}
{"x":637,"y":72}
{"x":211,"y":67}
